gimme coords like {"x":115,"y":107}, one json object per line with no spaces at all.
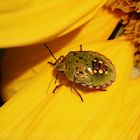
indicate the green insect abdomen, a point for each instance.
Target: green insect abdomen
{"x":88,"y":68}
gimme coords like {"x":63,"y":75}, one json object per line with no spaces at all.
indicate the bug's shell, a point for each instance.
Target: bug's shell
{"x":88,"y":68}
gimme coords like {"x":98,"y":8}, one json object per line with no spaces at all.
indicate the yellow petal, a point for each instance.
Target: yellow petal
{"x":20,"y":65}
{"x":127,"y":123}
{"x":92,"y":31}
{"x":36,"y":113}
{"x":29,"y":22}
{"x":133,"y":93}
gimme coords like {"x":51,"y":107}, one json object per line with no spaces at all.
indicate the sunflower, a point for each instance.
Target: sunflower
{"x":30,"y":111}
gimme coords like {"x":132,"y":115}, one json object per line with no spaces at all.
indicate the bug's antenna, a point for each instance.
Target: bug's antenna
{"x":50,"y":51}
{"x":78,"y":94}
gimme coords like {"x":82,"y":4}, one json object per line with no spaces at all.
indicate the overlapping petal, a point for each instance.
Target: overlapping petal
{"x":20,"y":65}
{"x":36,"y":113}
{"x":126,"y":125}
{"x":28,"y":22}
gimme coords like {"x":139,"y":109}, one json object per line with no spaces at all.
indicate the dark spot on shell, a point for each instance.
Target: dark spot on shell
{"x":74,"y":53}
{"x":99,"y":66}
{"x":66,"y":65}
{"x":104,"y":67}
{"x":95,"y":65}
{"x":74,"y":78}
{"x":81,"y":72}
{"x":80,"y":57}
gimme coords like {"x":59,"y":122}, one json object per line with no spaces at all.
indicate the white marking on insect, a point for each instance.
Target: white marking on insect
{"x":90,"y":70}
{"x":97,"y":87}
{"x":109,"y":83}
{"x":91,"y":87}
{"x":101,"y":62}
{"x":83,"y":84}
{"x":103,"y":86}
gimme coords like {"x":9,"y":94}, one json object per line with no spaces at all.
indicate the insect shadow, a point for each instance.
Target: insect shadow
{"x":62,"y":78}
{"x":75,"y":87}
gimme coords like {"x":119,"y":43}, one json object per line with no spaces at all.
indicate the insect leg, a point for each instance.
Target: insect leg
{"x":51,"y":63}
{"x":57,"y":87}
{"x":78,"y":94}
{"x":57,"y":60}
{"x":56,"y":77}
{"x":81,"y":47}
{"x":103,"y":90}
{"x":60,"y":59}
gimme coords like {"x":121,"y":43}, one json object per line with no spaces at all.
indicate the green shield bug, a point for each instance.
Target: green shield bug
{"x":88,"y":69}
